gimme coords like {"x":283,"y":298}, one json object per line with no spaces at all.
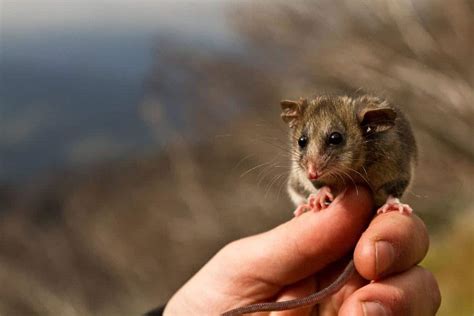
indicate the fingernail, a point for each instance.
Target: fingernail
{"x":384,"y":256}
{"x":374,"y":309}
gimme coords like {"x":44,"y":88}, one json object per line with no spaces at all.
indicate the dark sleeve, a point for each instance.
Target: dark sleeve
{"x":156,"y":312}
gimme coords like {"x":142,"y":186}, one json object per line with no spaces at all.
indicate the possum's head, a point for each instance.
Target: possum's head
{"x":330,"y":136}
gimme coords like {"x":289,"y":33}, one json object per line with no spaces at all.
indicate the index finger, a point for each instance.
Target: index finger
{"x":305,"y":244}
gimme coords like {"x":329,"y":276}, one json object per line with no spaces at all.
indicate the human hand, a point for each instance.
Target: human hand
{"x":301,"y":256}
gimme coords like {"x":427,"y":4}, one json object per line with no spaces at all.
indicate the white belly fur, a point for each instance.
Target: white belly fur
{"x":296,"y":197}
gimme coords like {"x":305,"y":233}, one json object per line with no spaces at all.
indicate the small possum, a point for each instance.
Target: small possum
{"x":338,"y":141}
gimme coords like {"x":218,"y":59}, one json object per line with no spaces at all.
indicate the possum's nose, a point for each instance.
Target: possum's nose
{"x":313,"y":171}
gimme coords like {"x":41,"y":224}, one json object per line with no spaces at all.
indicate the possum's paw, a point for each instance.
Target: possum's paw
{"x":316,"y":202}
{"x":301,"y":209}
{"x":321,"y":199}
{"x":394,"y":204}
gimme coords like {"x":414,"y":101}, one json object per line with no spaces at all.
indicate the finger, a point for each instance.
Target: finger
{"x":302,"y":246}
{"x":297,"y":290}
{"x":392,"y":243}
{"x":414,"y":292}
{"x":331,"y":304}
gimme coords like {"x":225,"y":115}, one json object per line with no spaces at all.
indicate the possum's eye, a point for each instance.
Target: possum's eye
{"x":335,"y":138}
{"x":303,"y":141}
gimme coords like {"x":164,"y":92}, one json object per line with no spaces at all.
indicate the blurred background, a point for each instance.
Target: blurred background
{"x":139,"y":137}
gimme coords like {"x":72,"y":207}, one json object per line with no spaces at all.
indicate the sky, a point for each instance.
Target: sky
{"x":32,"y":16}
{"x":72,"y":75}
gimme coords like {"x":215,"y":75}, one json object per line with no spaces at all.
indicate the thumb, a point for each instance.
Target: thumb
{"x":304,"y":245}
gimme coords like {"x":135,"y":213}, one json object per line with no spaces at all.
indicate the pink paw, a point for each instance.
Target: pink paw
{"x":322,"y":199}
{"x":394,"y":204}
{"x":301,"y":209}
{"x":316,"y":202}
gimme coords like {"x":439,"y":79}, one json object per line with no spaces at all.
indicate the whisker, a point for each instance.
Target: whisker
{"x":264,"y":172}
{"x":237,"y":165}
{"x":350,"y":178}
{"x":285,"y":181}
{"x":360,"y":174}
{"x":275,"y":178}
{"x":254,"y":168}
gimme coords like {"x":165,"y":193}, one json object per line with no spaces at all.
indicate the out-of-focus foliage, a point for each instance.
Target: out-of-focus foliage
{"x":417,"y":54}
{"x":450,"y":258}
{"x":120,"y":238}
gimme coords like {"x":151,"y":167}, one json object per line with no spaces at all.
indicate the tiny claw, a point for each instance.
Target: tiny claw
{"x":312,"y":200}
{"x":300,"y":210}
{"x":316,"y":202}
{"x":325,"y":197}
{"x":329,"y":196}
{"x":406,"y":209}
{"x":394,"y":204}
{"x":383,"y":209}
{"x":303,"y":208}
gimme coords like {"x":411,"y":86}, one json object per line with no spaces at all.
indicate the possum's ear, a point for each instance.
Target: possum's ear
{"x":292,"y":110}
{"x":377,"y":119}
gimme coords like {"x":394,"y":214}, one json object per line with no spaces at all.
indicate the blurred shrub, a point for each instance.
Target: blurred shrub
{"x":120,"y":238}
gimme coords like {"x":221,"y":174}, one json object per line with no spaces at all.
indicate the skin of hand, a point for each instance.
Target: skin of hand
{"x":303,"y":255}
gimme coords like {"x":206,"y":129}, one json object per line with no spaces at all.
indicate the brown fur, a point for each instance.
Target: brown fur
{"x":383,"y":159}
